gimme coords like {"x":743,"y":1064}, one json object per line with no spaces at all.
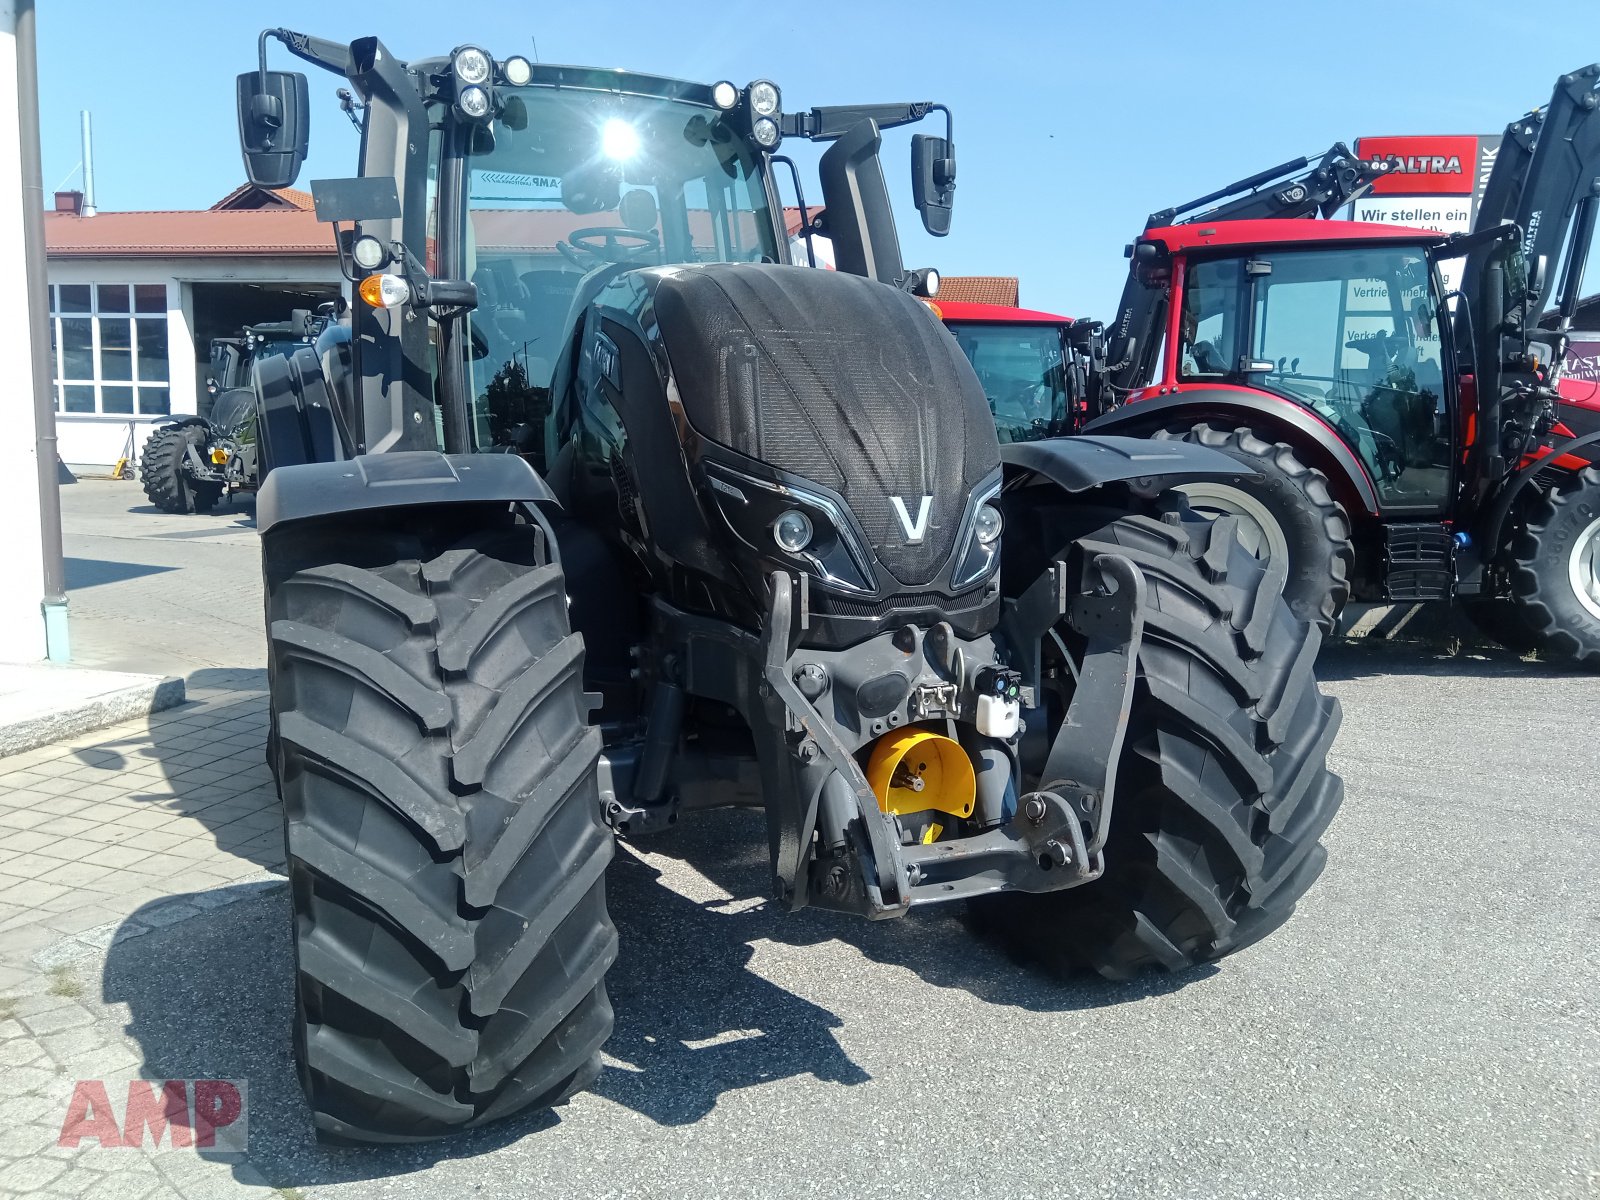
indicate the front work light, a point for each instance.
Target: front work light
{"x":471,"y":65}
{"x":724,"y":95}
{"x":518,"y":70}
{"x":368,"y":252}
{"x":473,"y":101}
{"x":384,"y":291}
{"x":764,"y":99}
{"x":765,"y":132}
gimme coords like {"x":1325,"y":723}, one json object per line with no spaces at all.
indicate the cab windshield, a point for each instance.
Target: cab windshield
{"x":579,"y":187}
{"x":1350,"y":333}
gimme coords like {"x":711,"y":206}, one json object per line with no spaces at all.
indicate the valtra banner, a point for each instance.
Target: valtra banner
{"x":1424,"y":166}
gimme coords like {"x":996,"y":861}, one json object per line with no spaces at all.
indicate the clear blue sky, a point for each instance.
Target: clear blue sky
{"x":1073,"y":120}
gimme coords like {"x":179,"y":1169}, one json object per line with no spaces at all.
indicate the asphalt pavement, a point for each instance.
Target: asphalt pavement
{"x":1425,"y":1026}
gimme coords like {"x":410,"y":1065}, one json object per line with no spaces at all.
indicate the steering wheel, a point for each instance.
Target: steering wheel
{"x":607,"y":244}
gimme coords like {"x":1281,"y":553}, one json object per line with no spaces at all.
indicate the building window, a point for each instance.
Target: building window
{"x":108,"y":348}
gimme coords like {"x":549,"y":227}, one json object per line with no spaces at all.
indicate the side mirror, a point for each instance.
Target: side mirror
{"x":933,"y":181}
{"x":274,"y":126}
{"x":1538,"y":276}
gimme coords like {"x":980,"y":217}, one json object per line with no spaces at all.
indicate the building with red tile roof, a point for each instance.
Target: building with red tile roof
{"x":137,"y":297}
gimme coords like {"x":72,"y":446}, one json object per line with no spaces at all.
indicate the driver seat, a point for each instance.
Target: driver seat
{"x":638,"y":211}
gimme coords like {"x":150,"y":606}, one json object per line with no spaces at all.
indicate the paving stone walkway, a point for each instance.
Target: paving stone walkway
{"x":104,"y":838}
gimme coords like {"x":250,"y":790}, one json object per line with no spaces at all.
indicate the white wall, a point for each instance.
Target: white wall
{"x":21,"y":614}
{"x":96,"y":442}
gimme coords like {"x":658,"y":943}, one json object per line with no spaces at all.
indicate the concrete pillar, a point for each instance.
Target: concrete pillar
{"x":22,"y":628}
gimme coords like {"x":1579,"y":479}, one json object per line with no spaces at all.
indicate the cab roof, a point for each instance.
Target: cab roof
{"x":993,"y":314}
{"x":1281,"y":231}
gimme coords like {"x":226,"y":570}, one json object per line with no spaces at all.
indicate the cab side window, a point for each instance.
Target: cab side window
{"x":1209,"y":328}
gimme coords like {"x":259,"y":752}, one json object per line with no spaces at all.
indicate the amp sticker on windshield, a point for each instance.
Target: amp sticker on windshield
{"x":509,"y":185}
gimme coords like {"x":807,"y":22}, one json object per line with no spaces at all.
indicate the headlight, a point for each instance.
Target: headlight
{"x":471,"y":65}
{"x":980,"y":553}
{"x":765,"y":132}
{"x":724,"y":95}
{"x":792,"y":531}
{"x":987,"y":524}
{"x":518,"y":70}
{"x":474,"y":101}
{"x":764,"y":98}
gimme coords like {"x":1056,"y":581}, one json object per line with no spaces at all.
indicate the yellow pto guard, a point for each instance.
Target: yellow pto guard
{"x":912,"y":770}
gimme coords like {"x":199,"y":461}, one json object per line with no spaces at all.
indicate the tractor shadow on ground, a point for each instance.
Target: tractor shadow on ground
{"x":240,"y":511}
{"x":213,"y":770}
{"x":1349,"y":660}
{"x":211,"y":998}
{"x":939,"y":944}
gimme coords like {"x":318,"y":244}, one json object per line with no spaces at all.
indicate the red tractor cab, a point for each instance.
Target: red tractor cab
{"x":1023,"y":358}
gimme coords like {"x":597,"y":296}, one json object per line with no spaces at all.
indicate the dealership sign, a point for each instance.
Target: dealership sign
{"x":1433,"y":183}
{"x":1425,"y":166}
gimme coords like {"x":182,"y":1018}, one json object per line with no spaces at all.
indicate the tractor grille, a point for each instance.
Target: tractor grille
{"x":841,"y":381}
{"x":905,"y":602}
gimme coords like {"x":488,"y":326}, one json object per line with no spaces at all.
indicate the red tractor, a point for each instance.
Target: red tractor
{"x":1402,"y":441}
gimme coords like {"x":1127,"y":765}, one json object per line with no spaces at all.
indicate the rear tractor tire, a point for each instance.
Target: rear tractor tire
{"x":1289,"y":512}
{"x":1222,"y":789}
{"x":441,"y":809}
{"x":1555,"y":577}
{"x":161,"y":471}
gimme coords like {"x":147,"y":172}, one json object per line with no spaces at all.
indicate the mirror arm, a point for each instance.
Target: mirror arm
{"x":834,"y":121}
{"x":319,"y":52}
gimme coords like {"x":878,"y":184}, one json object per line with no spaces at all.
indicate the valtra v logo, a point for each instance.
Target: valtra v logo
{"x":916,"y":528}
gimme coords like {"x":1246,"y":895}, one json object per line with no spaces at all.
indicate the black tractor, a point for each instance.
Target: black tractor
{"x":188,"y":464}
{"x":772,"y":555}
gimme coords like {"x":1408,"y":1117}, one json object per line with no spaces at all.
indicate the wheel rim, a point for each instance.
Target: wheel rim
{"x":1258,"y":532}
{"x":1583,"y":568}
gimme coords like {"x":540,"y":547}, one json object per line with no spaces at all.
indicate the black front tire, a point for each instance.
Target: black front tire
{"x":1555,"y":576}
{"x":1314,"y":527}
{"x":441,"y":808}
{"x":161,"y":470}
{"x":161,"y":467}
{"x":1223,"y":789}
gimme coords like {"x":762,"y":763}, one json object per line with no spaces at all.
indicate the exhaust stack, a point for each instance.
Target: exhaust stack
{"x":88,"y":167}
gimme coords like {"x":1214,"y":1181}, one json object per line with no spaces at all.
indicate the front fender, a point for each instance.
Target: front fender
{"x":1077,"y":464}
{"x":1272,"y":417}
{"x":399,"y":479}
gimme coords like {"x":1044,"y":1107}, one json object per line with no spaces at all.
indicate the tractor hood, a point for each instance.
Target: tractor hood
{"x":846,"y":383}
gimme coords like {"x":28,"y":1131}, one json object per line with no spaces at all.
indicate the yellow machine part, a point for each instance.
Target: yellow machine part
{"x":905,"y":756}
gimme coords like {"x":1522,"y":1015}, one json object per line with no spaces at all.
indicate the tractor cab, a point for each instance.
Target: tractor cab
{"x":559,"y":199}
{"x":1345,"y":326}
{"x":1022,"y":358}
{"x":497,"y":198}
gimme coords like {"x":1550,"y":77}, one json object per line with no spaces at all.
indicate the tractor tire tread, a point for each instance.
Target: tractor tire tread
{"x":450,"y":926}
